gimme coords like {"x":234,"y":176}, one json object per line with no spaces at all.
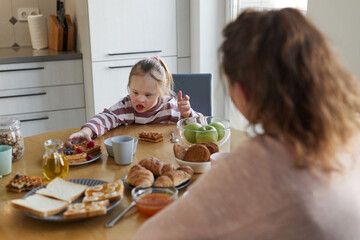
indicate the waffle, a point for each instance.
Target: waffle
{"x":76,"y":158}
{"x":80,"y":152}
{"x":151,"y":137}
{"x":22,"y":183}
{"x":94,"y":150}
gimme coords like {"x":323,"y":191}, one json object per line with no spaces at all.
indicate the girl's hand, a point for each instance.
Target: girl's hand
{"x":184,"y":105}
{"x":84,"y":134}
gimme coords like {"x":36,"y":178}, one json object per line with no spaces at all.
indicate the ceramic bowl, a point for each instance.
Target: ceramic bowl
{"x":108,"y":145}
{"x":198,"y":167}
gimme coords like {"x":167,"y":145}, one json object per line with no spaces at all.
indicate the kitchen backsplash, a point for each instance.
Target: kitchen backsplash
{"x":14,"y":33}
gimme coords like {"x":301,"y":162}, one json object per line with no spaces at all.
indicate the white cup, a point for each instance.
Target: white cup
{"x":124,"y":147}
{"x":215,"y":157}
{"x":109,"y":148}
{"x":5,"y":159}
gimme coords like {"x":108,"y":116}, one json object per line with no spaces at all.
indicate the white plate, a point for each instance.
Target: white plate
{"x":59,"y":217}
{"x":81,"y":163}
{"x":87,"y":161}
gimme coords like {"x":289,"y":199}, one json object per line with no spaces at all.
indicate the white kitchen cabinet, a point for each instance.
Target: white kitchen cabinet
{"x":41,"y":99}
{"x":110,"y":79}
{"x":183,"y":29}
{"x":36,"y":123}
{"x":122,"y":29}
{"x":38,"y":74}
{"x":118,"y":33}
{"x":45,"y":96}
{"x":184,"y":65}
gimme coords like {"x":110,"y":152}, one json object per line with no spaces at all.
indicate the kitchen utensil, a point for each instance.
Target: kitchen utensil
{"x":173,"y":138}
{"x":112,"y":222}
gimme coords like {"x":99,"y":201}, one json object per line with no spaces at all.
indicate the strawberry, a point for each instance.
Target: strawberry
{"x":88,"y":157}
{"x":79,"y":150}
{"x":90,"y":144}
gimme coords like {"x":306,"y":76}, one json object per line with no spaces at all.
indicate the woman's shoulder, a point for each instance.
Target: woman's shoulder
{"x":262,"y":147}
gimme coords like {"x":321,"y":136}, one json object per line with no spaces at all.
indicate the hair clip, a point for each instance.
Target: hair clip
{"x":156,"y":58}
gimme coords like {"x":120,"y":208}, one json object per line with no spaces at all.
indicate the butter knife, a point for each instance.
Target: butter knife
{"x":112,"y":222}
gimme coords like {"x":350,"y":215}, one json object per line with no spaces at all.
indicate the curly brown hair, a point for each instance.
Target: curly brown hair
{"x":295,"y":86}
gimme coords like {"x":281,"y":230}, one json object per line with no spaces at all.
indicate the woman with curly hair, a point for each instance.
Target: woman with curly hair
{"x":299,"y":178}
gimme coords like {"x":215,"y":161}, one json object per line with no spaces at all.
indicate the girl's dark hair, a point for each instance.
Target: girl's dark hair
{"x":158,"y":70}
{"x":294,"y":84}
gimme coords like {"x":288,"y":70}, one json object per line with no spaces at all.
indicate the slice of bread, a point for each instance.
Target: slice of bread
{"x":63,"y":190}
{"x":39,"y":205}
{"x":89,"y":209}
{"x":113,"y":191}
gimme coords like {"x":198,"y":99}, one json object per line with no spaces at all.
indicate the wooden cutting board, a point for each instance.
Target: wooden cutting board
{"x":56,"y":34}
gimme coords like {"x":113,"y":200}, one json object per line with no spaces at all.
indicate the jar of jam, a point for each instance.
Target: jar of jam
{"x":10,"y":134}
{"x":54,"y":162}
{"x":151,"y":200}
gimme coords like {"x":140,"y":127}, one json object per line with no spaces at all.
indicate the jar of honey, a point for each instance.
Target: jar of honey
{"x":54,"y":162}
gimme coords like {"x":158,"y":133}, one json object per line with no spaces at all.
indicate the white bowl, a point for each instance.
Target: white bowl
{"x":109,"y":149}
{"x":198,"y":167}
{"x":216,"y":156}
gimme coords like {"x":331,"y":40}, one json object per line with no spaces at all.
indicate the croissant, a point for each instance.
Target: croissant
{"x":138,"y":175}
{"x":187,"y":169}
{"x":178,"y":177}
{"x":163,"y":181}
{"x":153,"y":164}
{"x":168,"y":168}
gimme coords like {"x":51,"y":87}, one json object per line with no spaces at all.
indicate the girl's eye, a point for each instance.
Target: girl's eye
{"x":135,"y":93}
{"x":148,"y":95}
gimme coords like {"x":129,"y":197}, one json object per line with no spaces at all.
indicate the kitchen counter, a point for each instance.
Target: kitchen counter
{"x":27,"y":54}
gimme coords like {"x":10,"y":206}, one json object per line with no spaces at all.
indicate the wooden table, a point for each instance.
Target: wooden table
{"x":16,"y":225}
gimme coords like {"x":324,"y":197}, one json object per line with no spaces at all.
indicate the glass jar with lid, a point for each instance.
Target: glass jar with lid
{"x":10,"y":134}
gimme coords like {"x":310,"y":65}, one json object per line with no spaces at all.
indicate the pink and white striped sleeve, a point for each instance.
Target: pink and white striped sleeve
{"x":195,"y":114}
{"x":118,"y":114}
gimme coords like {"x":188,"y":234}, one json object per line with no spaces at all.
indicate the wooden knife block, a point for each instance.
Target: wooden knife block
{"x":56,"y":34}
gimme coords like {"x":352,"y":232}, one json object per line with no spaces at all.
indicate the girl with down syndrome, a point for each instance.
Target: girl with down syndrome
{"x":150,"y":100}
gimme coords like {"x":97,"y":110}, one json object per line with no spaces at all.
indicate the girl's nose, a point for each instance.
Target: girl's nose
{"x":141,"y":98}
